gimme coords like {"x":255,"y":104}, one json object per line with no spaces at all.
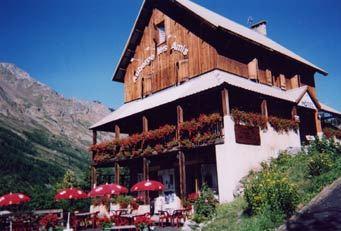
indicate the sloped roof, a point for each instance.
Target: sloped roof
{"x":217,"y":21}
{"x":329,"y":109}
{"x":201,"y":83}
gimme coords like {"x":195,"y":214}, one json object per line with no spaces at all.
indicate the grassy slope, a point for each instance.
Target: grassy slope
{"x":230,"y":216}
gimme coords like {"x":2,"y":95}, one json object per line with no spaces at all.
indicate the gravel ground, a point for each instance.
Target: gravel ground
{"x":322,"y":213}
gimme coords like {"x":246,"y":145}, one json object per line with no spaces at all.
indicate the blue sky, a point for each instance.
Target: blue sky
{"x":74,"y":45}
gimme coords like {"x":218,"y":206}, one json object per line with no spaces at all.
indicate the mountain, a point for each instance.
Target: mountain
{"x":42,"y":133}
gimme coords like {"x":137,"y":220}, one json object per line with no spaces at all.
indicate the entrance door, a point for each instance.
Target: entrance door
{"x":307,"y":123}
{"x":166,"y":176}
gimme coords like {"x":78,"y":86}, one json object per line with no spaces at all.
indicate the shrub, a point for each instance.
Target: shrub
{"x":319,"y":163}
{"x":270,"y":189}
{"x":324,"y":146}
{"x":205,"y":205}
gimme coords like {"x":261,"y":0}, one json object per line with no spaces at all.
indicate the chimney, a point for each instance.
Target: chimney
{"x":260,"y":27}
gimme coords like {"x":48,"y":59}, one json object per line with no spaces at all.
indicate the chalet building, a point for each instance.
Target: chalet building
{"x":206,"y":100}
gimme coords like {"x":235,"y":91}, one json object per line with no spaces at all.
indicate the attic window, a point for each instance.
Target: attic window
{"x":161,"y":33}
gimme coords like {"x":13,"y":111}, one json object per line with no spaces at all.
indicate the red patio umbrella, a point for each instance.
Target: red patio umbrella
{"x":147,"y":185}
{"x":107,"y":189}
{"x":13,"y":199}
{"x":70,"y":193}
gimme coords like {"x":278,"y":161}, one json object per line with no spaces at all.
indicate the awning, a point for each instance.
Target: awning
{"x":201,"y":83}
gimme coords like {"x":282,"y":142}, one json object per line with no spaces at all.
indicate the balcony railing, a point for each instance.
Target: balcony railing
{"x":202,"y":131}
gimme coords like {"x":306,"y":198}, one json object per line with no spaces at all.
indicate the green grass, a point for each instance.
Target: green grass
{"x":232,"y":216}
{"x":33,"y":160}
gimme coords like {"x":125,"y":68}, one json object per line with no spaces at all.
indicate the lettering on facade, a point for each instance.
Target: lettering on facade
{"x":159,"y":50}
{"x":145,"y":63}
{"x":180,"y":48}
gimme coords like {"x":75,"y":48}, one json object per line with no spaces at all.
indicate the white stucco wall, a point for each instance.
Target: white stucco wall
{"x":234,"y":161}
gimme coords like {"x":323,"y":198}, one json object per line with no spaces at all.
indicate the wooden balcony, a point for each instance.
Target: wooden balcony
{"x":202,"y":131}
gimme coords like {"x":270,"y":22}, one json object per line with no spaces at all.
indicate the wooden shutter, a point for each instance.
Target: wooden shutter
{"x":182,"y":66}
{"x":253,"y":69}
{"x":282,"y":81}
{"x":147,"y":85}
{"x":295,"y":81}
{"x":268,"y":76}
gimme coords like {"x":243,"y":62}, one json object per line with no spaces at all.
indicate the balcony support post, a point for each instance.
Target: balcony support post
{"x":117,"y":132}
{"x":264,"y":109}
{"x":225,"y":103}
{"x":146,"y":177}
{"x":144,"y":124}
{"x":182,"y":174}
{"x":93,"y":174}
{"x":117,"y":173}
{"x":179,"y":120}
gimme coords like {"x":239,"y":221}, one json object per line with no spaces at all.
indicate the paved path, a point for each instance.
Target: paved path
{"x":322,"y":213}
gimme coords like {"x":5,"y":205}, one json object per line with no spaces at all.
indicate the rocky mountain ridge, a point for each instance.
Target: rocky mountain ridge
{"x":34,"y":104}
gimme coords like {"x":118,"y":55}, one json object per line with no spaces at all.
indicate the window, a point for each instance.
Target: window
{"x":161,"y":33}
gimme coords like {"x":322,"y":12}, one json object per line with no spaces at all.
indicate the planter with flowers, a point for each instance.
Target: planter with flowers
{"x":249,"y":119}
{"x":283,"y":125}
{"x":200,"y":131}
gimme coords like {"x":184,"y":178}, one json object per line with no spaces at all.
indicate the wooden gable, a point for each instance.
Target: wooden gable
{"x":182,"y":56}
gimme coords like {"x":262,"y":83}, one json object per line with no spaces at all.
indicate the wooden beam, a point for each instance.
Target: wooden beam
{"x":182,"y":174}
{"x":117,"y":173}
{"x":225,"y":102}
{"x":264,"y":109}
{"x":144,"y":124}
{"x":117,"y":132}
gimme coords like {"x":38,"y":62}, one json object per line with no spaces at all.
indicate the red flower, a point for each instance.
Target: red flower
{"x":49,"y":220}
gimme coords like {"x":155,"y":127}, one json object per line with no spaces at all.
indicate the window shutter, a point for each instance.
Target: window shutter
{"x":282,"y":81}
{"x":268,"y":76}
{"x":295,"y":81}
{"x":182,"y":66}
{"x":253,"y":69}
